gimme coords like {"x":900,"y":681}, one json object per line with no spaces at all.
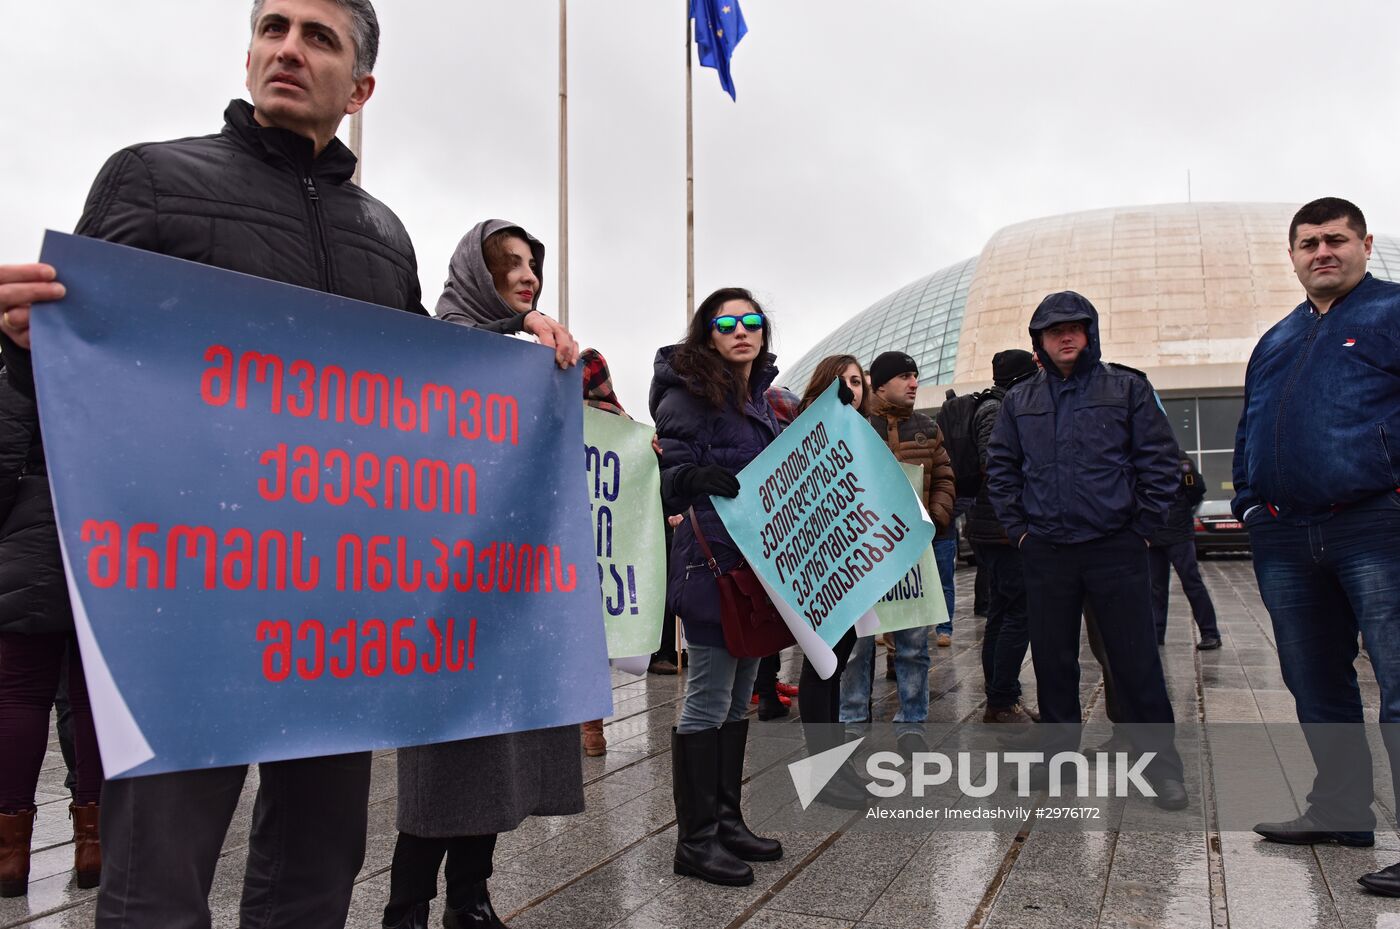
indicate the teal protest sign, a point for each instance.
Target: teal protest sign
{"x":829,"y":523}
{"x":917,"y":600}
{"x":624,"y":482}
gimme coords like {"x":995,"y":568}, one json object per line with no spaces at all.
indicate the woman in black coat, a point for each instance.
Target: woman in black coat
{"x":712,"y":419}
{"x":36,"y":638}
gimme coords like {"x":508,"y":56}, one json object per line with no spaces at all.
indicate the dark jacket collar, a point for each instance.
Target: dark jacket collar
{"x":335,"y":163}
{"x":1340,"y":300}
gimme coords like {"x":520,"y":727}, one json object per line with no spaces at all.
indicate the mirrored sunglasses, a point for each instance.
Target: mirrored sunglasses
{"x":752,"y":322}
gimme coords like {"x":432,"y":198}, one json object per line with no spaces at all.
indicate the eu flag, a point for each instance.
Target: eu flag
{"x":719,"y":25}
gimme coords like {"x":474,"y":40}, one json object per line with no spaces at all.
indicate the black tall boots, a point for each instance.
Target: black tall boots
{"x":711,"y":837}
{"x":733,"y":832}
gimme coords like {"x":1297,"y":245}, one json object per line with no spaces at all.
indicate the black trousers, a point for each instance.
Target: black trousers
{"x":765,"y":682}
{"x":819,"y":701}
{"x":161,"y":837}
{"x":1007,"y":636}
{"x":1182,"y":557}
{"x":1111,"y":575}
{"x":414,"y":872}
{"x":1112,"y":708}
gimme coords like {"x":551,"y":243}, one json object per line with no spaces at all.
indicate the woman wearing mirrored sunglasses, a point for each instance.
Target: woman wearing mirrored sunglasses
{"x":712,"y":418}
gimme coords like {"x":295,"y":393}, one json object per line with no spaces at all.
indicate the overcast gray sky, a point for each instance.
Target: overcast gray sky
{"x":872,"y":142}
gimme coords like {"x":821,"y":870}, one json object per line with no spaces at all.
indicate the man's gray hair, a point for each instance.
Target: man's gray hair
{"x":364,"y":31}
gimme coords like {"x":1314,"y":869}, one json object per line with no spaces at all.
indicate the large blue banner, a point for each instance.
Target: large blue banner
{"x":298,"y":525}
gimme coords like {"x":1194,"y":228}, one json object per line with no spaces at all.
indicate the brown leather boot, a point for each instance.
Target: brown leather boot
{"x":594,"y":742}
{"x":16,"y":831}
{"x":87,"y":852}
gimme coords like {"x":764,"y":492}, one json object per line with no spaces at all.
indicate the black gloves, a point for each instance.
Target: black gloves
{"x":707,"y":479}
{"x":844,"y":393}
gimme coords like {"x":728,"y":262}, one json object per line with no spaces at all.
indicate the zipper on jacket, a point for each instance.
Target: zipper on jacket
{"x":318,"y":231}
{"x":1288,"y":391}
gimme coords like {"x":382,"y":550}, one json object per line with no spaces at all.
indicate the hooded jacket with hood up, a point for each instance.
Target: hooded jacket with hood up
{"x":1078,"y":458}
{"x":693,"y":433}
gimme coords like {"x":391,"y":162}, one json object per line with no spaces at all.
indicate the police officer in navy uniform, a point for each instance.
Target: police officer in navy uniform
{"x":1080,"y":470}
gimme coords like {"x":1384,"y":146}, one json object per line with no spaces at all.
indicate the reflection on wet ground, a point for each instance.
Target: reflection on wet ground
{"x":611,"y":866}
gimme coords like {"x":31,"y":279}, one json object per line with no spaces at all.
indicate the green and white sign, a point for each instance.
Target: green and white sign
{"x":917,"y":600}
{"x":624,"y":483}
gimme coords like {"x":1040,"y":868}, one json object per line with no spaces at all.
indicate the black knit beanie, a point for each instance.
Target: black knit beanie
{"x":888,"y":366}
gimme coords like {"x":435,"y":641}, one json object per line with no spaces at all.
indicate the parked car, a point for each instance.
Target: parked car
{"x":1217,"y":529}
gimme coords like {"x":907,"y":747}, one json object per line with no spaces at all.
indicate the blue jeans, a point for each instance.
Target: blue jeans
{"x":1322,"y":585}
{"x":718,"y":688}
{"x":945,"y":555}
{"x":911,"y":676}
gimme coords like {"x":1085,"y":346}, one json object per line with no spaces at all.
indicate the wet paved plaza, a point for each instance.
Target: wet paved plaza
{"x":611,"y":866}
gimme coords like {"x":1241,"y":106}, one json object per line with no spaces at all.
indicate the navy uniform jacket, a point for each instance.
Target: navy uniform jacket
{"x":1080,"y":458}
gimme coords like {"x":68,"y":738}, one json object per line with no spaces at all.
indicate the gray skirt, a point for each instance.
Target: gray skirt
{"x":490,"y":784}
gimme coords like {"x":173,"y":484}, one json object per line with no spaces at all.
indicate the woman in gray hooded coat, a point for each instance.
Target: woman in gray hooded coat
{"x":455,"y":797}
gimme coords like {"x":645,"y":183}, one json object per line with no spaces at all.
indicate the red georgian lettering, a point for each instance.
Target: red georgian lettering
{"x":277,"y":655}
{"x":313,"y":669}
{"x":104,"y":560}
{"x":216,"y":384}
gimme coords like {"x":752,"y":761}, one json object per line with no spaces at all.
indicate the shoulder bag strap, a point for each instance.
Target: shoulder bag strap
{"x":704,"y":544}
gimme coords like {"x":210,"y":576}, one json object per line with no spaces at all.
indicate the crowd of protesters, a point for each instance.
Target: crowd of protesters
{"x":1082,"y":507}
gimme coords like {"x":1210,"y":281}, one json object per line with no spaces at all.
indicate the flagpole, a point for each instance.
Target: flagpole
{"x":689,"y":184}
{"x":563,"y":164}
{"x":357,"y":144}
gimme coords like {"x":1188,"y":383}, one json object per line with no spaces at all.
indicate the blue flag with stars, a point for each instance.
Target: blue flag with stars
{"x":719,"y":25}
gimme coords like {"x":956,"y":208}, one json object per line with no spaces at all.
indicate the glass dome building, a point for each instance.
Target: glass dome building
{"x":1184,"y":291}
{"x":923,"y":318}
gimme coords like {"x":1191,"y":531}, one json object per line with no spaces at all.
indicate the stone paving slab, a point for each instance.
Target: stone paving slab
{"x":611,"y":866}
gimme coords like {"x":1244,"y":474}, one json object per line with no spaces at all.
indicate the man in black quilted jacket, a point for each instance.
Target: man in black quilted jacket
{"x":270,"y":195}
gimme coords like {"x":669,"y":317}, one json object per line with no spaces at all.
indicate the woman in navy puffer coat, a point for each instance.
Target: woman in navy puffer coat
{"x":712,"y":419}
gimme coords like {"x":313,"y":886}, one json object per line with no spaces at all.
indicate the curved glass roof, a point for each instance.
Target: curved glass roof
{"x":1385,"y":258}
{"x":923,"y":318}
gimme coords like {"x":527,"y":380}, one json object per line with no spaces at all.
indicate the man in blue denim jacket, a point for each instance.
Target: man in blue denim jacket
{"x":1315,"y":476}
{"x":1080,"y":470}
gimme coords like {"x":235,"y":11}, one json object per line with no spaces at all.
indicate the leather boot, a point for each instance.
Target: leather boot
{"x":16,"y":831}
{"x":87,"y":850}
{"x":734,"y":833}
{"x":415,"y":918}
{"x":594,"y":742}
{"x":475,"y":913}
{"x":695,"y":781}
